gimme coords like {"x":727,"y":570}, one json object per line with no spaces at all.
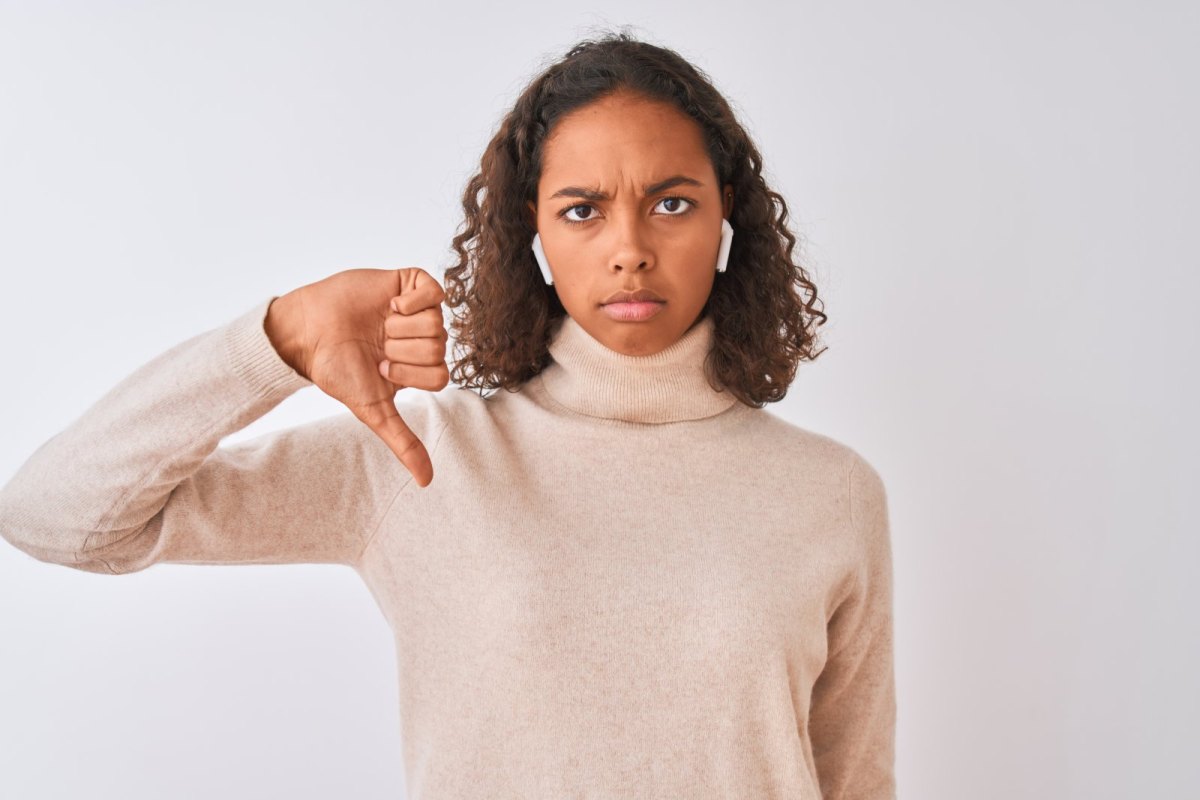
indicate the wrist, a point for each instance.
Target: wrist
{"x":284,"y":327}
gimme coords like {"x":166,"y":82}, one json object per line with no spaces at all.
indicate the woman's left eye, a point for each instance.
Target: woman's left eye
{"x":677,"y":200}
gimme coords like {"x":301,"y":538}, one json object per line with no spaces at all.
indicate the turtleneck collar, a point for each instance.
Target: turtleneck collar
{"x":668,"y":386}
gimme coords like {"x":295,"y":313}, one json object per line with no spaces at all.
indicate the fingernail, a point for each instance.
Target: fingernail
{"x":383,"y":368}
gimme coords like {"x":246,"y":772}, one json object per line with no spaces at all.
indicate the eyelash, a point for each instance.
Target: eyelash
{"x":563,"y":214}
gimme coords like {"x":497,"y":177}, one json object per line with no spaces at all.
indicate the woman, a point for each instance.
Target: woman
{"x":628,"y":579}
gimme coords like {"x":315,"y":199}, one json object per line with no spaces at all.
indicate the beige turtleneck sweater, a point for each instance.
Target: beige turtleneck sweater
{"x":620,"y":583}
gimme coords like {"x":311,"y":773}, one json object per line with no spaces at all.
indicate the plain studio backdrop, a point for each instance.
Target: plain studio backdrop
{"x":997,"y":203}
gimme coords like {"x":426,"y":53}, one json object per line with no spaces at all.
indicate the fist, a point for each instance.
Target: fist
{"x":363,"y":334}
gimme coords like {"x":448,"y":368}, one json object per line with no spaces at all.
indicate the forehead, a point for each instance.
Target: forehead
{"x":623,"y":135}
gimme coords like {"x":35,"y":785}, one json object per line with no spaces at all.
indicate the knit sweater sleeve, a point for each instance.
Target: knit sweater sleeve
{"x":853,"y":713}
{"x":139,"y":478}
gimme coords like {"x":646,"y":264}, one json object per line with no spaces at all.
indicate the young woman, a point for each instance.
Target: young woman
{"x":627,"y":579}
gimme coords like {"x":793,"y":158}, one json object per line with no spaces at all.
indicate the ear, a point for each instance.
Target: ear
{"x":532,"y":214}
{"x":727,"y":200}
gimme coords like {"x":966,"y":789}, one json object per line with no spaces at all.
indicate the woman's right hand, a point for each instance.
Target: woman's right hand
{"x":362,"y":334}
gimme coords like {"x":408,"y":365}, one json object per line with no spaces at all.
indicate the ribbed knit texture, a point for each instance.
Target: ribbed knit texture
{"x":665,"y":387}
{"x":621,"y":583}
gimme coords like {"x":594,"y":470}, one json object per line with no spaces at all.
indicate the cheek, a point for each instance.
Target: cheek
{"x":571,"y":259}
{"x":697,"y":256}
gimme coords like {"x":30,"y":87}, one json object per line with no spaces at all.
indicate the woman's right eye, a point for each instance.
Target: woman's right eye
{"x":563,"y":214}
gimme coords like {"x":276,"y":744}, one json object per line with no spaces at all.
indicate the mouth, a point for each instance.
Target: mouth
{"x":636,"y":296}
{"x":633,"y":311}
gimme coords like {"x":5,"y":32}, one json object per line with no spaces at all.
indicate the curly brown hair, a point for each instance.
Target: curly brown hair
{"x":764,"y":307}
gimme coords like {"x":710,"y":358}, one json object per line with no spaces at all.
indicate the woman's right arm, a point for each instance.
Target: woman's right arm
{"x":139,"y":478}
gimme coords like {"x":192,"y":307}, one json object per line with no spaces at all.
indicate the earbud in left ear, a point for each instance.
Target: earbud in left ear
{"x":726,"y":239}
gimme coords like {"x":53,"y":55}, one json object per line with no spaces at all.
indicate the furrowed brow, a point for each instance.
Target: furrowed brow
{"x":594,"y":195}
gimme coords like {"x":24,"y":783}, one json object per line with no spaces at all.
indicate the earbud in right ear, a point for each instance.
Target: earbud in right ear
{"x":540,"y":255}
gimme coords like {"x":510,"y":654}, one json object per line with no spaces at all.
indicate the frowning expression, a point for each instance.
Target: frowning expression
{"x":628,"y":200}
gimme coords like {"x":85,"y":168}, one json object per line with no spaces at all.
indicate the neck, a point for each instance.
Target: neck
{"x":668,"y":386}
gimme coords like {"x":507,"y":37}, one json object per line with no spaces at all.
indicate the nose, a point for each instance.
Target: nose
{"x":631,"y":251}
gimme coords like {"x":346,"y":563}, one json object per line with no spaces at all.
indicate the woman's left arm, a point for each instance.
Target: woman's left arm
{"x":852,"y":718}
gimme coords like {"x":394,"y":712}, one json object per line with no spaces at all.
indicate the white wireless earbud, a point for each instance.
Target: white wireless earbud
{"x":723,"y":252}
{"x":540,"y":255}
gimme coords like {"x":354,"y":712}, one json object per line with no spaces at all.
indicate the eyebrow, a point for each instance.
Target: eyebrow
{"x":654,"y":188}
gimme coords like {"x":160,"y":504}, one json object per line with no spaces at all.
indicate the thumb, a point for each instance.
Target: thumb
{"x":388,"y":425}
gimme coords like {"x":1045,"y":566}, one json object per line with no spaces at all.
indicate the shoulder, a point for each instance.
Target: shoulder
{"x":821,"y":464}
{"x":866,"y":487}
{"x":807,"y":449}
{"x":851,"y":485}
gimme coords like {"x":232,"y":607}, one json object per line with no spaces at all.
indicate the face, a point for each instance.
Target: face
{"x":606,"y":227}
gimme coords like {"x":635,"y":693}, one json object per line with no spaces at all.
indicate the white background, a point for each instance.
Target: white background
{"x":999,"y":203}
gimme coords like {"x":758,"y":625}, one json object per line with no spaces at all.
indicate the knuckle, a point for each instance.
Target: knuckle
{"x":394,"y":325}
{"x":410,"y":441}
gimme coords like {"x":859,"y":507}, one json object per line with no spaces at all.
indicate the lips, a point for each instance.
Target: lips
{"x":637,"y":296}
{"x":632,"y":312}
